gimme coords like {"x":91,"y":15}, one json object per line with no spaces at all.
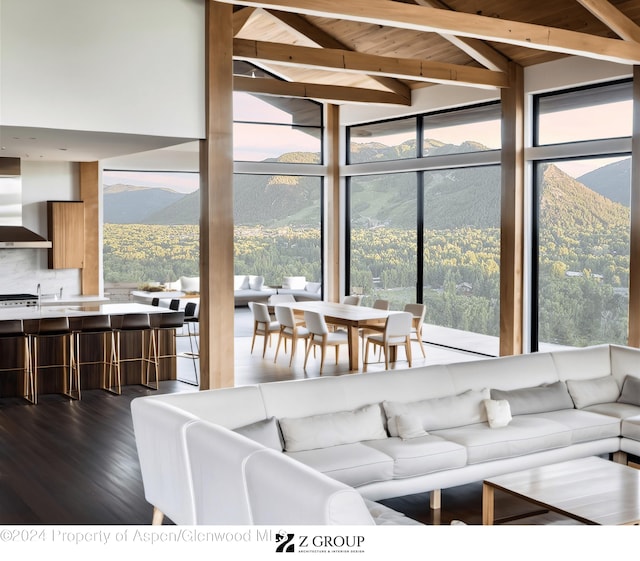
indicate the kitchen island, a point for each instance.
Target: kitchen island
{"x":53,"y":380}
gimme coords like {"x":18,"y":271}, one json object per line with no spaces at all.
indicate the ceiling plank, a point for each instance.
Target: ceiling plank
{"x":321,"y":38}
{"x":613,"y":18}
{"x":478,"y":50}
{"x":351,"y":61}
{"x":267,"y":86}
{"x":434,"y":20}
{"x":240,"y":18}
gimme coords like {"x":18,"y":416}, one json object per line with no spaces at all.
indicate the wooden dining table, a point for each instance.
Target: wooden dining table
{"x":351,"y":317}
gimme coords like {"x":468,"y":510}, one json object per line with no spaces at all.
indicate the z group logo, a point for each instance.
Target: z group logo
{"x":287,"y":543}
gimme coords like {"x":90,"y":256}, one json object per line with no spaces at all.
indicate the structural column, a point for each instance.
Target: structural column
{"x":512,"y":214}
{"x":91,"y":273}
{"x":333,"y":205}
{"x":634,"y":249}
{"x":216,"y":203}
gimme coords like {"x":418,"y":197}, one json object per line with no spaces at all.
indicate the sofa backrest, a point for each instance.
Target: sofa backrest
{"x":284,"y":491}
{"x":217,"y":457}
{"x":582,"y":364}
{"x":159,"y":431}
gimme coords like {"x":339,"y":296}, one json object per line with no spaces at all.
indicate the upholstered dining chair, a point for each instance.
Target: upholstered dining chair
{"x":263,"y":325}
{"x":289,"y":329}
{"x":353,"y":299}
{"x":320,"y":336}
{"x":397,"y":332}
{"x":363,"y":332}
{"x":418,"y":311}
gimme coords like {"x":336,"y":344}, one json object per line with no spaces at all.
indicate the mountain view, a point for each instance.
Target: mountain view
{"x":151,"y":234}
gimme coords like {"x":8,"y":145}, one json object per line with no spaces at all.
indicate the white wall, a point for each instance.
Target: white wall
{"x":131,"y":66}
{"x":22,"y":269}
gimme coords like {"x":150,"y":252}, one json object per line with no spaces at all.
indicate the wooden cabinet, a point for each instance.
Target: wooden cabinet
{"x":66,"y":231}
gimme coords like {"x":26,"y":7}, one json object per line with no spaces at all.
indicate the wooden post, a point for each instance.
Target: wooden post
{"x":216,"y":203}
{"x":91,"y":273}
{"x":512,"y":214}
{"x":333,"y":205}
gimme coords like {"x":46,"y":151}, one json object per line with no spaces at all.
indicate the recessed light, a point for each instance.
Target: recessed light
{"x":63,"y":149}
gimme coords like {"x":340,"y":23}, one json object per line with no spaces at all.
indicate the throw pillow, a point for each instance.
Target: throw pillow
{"x":630,"y":391}
{"x":440,"y":412}
{"x":294,"y":283}
{"x":265,"y":432}
{"x":190,"y":284}
{"x":332,"y":429}
{"x":498,"y":412}
{"x":409,"y":426}
{"x":593,"y":391}
{"x":256,"y":282}
{"x":537,"y":399}
{"x":313,"y":287}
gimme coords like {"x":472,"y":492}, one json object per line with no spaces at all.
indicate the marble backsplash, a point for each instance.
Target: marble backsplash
{"x":22,"y":269}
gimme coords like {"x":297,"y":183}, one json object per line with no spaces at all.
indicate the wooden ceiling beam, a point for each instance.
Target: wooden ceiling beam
{"x":613,"y":18}
{"x":306,"y":29}
{"x":240,"y":18}
{"x":351,"y":61}
{"x":478,"y":50}
{"x":267,"y":86}
{"x":434,"y":20}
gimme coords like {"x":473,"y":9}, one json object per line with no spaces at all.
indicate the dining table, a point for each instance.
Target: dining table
{"x":349,"y":316}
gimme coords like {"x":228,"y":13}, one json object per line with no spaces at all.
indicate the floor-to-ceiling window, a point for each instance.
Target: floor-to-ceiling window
{"x":581,"y":202}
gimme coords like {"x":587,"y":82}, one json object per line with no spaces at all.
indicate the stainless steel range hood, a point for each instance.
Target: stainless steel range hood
{"x":13,"y":235}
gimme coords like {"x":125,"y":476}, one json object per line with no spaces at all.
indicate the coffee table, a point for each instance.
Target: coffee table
{"x":591,"y":490}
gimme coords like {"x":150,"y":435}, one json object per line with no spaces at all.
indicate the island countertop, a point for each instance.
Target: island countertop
{"x":52,"y":310}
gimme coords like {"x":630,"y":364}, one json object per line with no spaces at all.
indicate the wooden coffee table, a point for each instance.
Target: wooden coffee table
{"x":591,"y":490}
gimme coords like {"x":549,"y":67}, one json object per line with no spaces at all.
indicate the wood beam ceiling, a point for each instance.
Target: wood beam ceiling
{"x":436,"y":20}
{"x":613,"y":18}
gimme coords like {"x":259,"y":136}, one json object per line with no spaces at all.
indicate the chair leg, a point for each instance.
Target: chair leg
{"x":419,"y":338}
{"x":306,"y":354}
{"x":408,"y":348}
{"x":278,"y":347}
{"x":386,"y":356}
{"x":255,"y":332}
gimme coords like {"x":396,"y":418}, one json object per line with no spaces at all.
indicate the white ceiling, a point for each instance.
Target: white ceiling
{"x":113,"y":150}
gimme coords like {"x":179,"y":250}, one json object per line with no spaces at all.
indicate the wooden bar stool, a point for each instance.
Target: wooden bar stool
{"x":12,"y":332}
{"x":166,"y":322}
{"x":54,"y":329}
{"x":148,"y":350}
{"x":89,"y":328}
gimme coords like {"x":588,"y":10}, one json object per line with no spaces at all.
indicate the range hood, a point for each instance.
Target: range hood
{"x":13,"y":235}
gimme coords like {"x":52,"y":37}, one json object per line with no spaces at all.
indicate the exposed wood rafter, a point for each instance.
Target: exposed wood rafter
{"x":325,"y":92}
{"x":240,"y":18}
{"x":613,"y":18}
{"x":306,"y":29}
{"x":351,"y":61}
{"x":434,"y":20}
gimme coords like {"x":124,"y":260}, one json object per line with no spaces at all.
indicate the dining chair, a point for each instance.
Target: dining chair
{"x":353,"y":299}
{"x":378,"y":326}
{"x":289,"y":329}
{"x":320,"y":336}
{"x":397,"y":332}
{"x":262,"y":324}
{"x":418,"y":311}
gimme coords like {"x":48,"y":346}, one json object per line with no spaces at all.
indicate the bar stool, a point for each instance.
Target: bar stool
{"x":90,"y":327}
{"x":140,"y":323}
{"x":166,"y":322}
{"x":191,"y":319}
{"x":56,"y":328}
{"x":12,"y":330}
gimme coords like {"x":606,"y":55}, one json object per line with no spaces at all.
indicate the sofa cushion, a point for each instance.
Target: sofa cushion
{"x":440,"y":412}
{"x":630,"y":391}
{"x":295,"y":283}
{"x":523,"y":435}
{"x":420,"y":456}
{"x":409,"y":426}
{"x":265,"y":432}
{"x":354,"y":464}
{"x":256,"y":282}
{"x":537,"y":399}
{"x":585,"y":426}
{"x":615,"y":409}
{"x":240,"y":282}
{"x":332,"y":429}
{"x":190,"y":284}
{"x":592,"y":391}
{"x":631,"y":428}
{"x":313,"y":287}
{"x":498,"y":412}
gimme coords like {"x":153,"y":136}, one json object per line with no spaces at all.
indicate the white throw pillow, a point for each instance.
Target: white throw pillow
{"x":240,"y":282}
{"x":313,"y":287}
{"x":265,"y":432}
{"x":441,"y":412}
{"x":498,"y":412}
{"x":332,"y":429}
{"x":294,"y":283}
{"x":409,"y":426}
{"x":593,"y":391}
{"x":256,"y":282}
{"x":190,"y":284}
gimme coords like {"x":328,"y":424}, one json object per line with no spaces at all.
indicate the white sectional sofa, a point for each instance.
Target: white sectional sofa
{"x":250,"y":288}
{"x":301,"y":289}
{"x":394,"y":433}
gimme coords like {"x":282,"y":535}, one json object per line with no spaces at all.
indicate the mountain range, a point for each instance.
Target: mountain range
{"x":453,"y":198}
